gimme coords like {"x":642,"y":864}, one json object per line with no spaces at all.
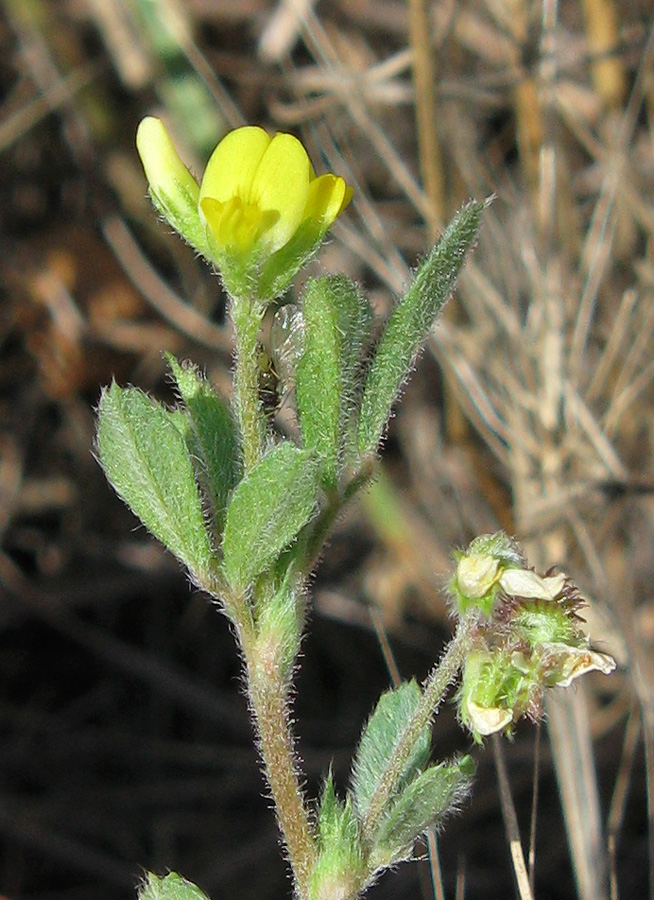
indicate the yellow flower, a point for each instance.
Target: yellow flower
{"x":257,"y":191}
{"x":260,"y":211}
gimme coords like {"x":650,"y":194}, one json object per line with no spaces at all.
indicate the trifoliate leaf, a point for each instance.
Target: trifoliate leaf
{"x":144,"y":456}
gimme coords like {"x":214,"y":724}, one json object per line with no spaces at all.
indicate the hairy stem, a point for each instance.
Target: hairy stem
{"x":434,"y":688}
{"x":247,"y":317}
{"x":316,"y":536}
{"x":268,"y":693}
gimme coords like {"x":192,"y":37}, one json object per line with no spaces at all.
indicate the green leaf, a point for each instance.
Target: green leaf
{"x":409,"y":323}
{"x":145,"y":457}
{"x":169,"y":887}
{"x":423,"y":803}
{"x":354,"y":327}
{"x":339,"y":869}
{"x":336,"y":323}
{"x":318,"y":377}
{"x":267,"y":510}
{"x":211,"y":437}
{"x":379,"y":742}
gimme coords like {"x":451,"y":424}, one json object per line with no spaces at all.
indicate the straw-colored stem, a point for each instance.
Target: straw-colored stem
{"x":269,"y":701}
{"x":424,"y":79}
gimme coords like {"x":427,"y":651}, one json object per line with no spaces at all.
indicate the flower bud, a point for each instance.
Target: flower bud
{"x":174,"y":191}
{"x":480,"y":569}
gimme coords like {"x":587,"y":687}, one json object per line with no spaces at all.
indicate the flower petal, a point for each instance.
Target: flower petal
{"x":572,"y":662}
{"x":232,"y":166}
{"x":235,"y":225}
{"x":485,"y":720}
{"x":328,"y":196}
{"x":476,"y":574}
{"x":281,"y":184}
{"x":530,"y":585}
{"x":163,"y":167}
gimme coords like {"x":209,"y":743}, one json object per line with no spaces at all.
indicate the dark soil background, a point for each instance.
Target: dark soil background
{"x":125,"y":743}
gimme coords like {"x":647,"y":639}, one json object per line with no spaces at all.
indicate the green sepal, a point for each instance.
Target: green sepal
{"x":211,"y":437}
{"x":340,"y":866}
{"x":169,"y":887}
{"x":422,"y":804}
{"x":267,"y":510}
{"x":379,"y":741}
{"x":408,"y":325}
{"x":144,"y":456}
{"x":279,"y":270}
{"x":178,"y":210}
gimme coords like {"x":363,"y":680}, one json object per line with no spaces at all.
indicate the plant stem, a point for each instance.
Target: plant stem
{"x":267,"y":684}
{"x":247,"y":316}
{"x":316,"y":537}
{"x":434,"y":688}
{"x":269,"y":700}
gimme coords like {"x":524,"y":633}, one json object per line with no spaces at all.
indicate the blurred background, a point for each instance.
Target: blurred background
{"x":124,"y":736}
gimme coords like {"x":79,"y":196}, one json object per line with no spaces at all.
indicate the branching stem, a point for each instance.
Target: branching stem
{"x":434,"y":688}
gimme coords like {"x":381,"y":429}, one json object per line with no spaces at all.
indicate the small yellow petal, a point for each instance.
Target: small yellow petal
{"x":530,"y":585}
{"x":281,"y":184}
{"x":576,"y":661}
{"x":236,"y":225}
{"x":487,"y":720}
{"x":328,"y":197}
{"x":232,"y":166}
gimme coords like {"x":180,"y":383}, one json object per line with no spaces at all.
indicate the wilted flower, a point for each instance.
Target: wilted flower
{"x":480,"y":569}
{"x":527,"y":638}
{"x":260,"y":211}
{"x":561,"y":664}
{"x":492,"y":692}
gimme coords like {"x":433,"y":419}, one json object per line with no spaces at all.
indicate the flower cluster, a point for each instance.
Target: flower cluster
{"x":527,"y":635}
{"x":259,"y":212}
